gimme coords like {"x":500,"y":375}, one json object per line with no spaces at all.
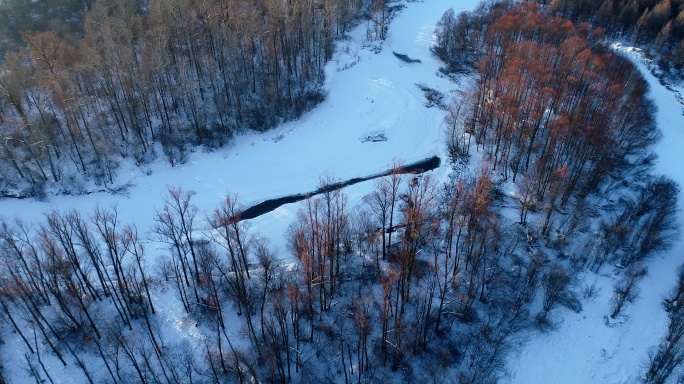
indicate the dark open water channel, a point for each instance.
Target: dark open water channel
{"x":269,"y":205}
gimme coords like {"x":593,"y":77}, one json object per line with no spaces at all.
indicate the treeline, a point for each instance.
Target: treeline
{"x":554,"y":110}
{"x":421,"y":280}
{"x":371,"y":289}
{"x":178,"y":73}
{"x":566,"y":121}
{"x":657,"y":25}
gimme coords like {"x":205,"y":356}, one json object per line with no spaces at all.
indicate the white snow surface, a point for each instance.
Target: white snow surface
{"x":370,"y":93}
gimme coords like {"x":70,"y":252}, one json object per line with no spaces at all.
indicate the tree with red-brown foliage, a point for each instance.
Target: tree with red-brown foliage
{"x":547,"y":99}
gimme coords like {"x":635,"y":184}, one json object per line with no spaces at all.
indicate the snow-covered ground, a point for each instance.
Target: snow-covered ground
{"x":373,"y":93}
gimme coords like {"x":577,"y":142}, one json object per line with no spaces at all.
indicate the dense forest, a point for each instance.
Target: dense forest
{"x":138,"y":80}
{"x":85,"y":85}
{"x":657,"y":25}
{"x":63,"y":16}
{"x":552,"y":107}
{"x":423,"y":281}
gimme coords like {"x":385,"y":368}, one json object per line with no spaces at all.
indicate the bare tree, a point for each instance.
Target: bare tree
{"x":526,"y":198}
{"x":555,"y":283}
{"x":383,"y":202}
{"x":653,"y":219}
{"x":269,"y":270}
{"x":232,"y":234}
{"x":174,"y":226}
{"x":626,"y":289}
